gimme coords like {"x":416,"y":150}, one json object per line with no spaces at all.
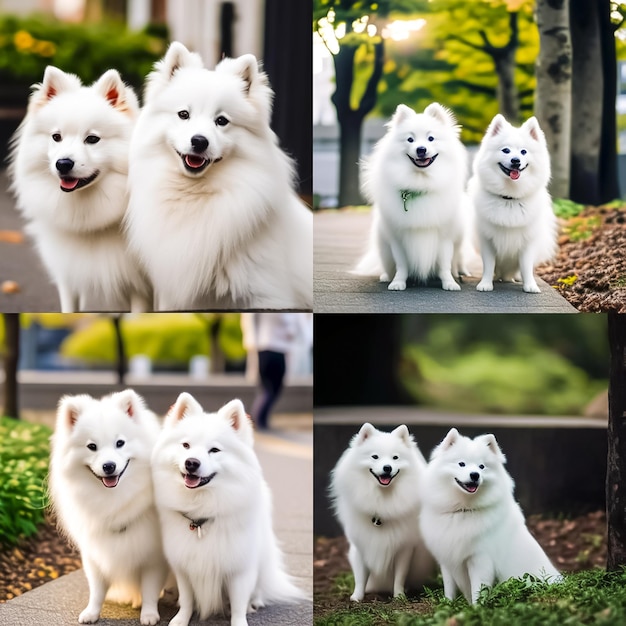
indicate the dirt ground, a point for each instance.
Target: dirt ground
{"x":573,"y":545}
{"x":590,"y":269}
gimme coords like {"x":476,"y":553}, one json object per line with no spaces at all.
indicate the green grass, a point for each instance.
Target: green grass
{"x":24,"y":453}
{"x":589,"y":597}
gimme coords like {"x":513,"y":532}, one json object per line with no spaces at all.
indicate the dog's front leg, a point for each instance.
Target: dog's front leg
{"x":152,"y":581}
{"x":240,"y":591}
{"x":98,"y":586}
{"x":488,"y":254}
{"x":361,"y":574}
{"x":402,"y":267}
{"x":449,"y":584}
{"x":481,"y":572}
{"x":446,"y":252}
{"x":401,"y":570}
{"x":69,"y":300}
{"x":526,"y":266}
{"x":185,"y":600}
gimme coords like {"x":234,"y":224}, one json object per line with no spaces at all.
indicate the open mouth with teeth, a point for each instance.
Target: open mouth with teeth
{"x":384,"y":479}
{"x":195,"y":163}
{"x":111,"y":481}
{"x":514,"y":172}
{"x":470,"y":487}
{"x":69,"y":183}
{"x":193,"y":482}
{"x":423,"y":162}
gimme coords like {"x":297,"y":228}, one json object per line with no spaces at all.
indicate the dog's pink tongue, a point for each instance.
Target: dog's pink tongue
{"x":110,"y":481}
{"x":194,"y":161}
{"x":69,"y":183}
{"x":471,"y":488}
{"x":514,"y":174}
{"x":192,"y":481}
{"x":384,"y":480}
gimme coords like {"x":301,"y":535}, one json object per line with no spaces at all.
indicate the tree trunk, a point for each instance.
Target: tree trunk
{"x":616,"y":457}
{"x":553,"y":100}
{"x":121,"y":361}
{"x":350,"y":119}
{"x":508,"y":99}
{"x":218,"y":360}
{"x":11,"y":357}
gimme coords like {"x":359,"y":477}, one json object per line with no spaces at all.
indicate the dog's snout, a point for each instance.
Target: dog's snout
{"x":192,"y":465}
{"x":108,"y":468}
{"x":474,"y":476}
{"x":64,"y":166}
{"x":387,"y":469}
{"x":421,"y":152}
{"x":199,"y":143}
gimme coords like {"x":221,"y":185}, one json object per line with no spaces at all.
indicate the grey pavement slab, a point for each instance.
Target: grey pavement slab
{"x":288,"y":468}
{"x":340,"y":239}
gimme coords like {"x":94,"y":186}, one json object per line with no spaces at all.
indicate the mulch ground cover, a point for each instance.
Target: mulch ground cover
{"x":590,"y":269}
{"x":35,"y":561}
{"x":573,"y":545}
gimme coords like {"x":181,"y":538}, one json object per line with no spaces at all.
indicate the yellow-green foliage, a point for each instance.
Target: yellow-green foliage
{"x":167,"y":338}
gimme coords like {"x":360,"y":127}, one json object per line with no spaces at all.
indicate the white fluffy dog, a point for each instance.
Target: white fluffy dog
{"x":376,"y":490}
{"x":515,"y":224}
{"x":213,"y":214}
{"x":415,"y":178}
{"x":470,"y":520}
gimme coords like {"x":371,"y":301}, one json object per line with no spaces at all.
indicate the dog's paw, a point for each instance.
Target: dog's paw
{"x":355,"y":597}
{"x":176,"y":621}
{"x":384,"y":278}
{"x":450,"y":285}
{"x":149,"y":618}
{"x":484,"y":285}
{"x":397,"y":285}
{"x":88,"y":616}
{"x":531,"y":288}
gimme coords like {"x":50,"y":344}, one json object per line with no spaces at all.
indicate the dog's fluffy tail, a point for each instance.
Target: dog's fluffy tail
{"x":276,"y":586}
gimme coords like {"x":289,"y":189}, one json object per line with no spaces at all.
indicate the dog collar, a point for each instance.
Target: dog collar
{"x":409,"y":194}
{"x":196,"y":524}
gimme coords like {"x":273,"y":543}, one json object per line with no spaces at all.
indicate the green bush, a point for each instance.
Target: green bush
{"x":24,"y":452}
{"x":169,"y":339}
{"x":28,"y":45}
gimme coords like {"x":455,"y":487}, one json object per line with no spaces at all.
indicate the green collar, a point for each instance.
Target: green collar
{"x":409,"y":194}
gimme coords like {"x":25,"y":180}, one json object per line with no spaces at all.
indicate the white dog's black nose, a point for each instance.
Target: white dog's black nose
{"x":474,"y":476}
{"x":108,"y":468}
{"x":515,"y":162}
{"x":64,"y":166}
{"x":199,"y":143}
{"x":192,"y":465}
{"x":421,"y":152}
{"x":387,"y":469}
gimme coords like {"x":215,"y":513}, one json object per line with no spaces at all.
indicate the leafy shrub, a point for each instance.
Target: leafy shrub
{"x":28,"y":45}
{"x":167,"y":338}
{"x":24,"y":452}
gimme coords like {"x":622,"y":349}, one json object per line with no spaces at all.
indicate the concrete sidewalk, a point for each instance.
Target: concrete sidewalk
{"x":341,"y":238}
{"x":287,"y":463}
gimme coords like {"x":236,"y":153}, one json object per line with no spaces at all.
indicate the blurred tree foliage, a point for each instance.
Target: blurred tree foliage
{"x":542,"y":364}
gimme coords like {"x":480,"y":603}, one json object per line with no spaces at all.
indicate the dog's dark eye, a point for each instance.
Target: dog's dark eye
{"x":523,"y":151}
{"x":374,"y":456}
{"x":214,"y":450}
{"x":395,"y":458}
{"x":119,"y":443}
{"x":410,"y":139}
{"x":186,"y":446}
{"x":92,"y":139}
{"x":56,"y":137}
{"x":92,"y":446}
{"x":431,"y":138}
{"x":461,"y":464}
{"x":184,"y":115}
{"x":481,"y":466}
{"x":221,"y":121}
{"x":506,"y":150}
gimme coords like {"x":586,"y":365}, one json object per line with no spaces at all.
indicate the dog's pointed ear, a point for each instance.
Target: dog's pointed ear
{"x":246,"y":67}
{"x":531,"y":126}
{"x":402,"y":432}
{"x":496,"y":126}
{"x":129,"y":401}
{"x":55,"y":82}
{"x":236,"y":415}
{"x":69,"y":410}
{"x":121,"y":97}
{"x":402,"y":112}
{"x":185,"y":405}
{"x":448,"y":441}
{"x":366,"y":431}
{"x":492,"y":445}
{"x":441,"y":114}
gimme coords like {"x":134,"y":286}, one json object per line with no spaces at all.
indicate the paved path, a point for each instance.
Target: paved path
{"x":341,"y":238}
{"x":287,"y":460}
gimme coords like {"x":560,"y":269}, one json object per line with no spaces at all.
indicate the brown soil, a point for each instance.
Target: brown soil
{"x":573,"y":545}
{"x":590,"y":269}
{"x":35,"y":561}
